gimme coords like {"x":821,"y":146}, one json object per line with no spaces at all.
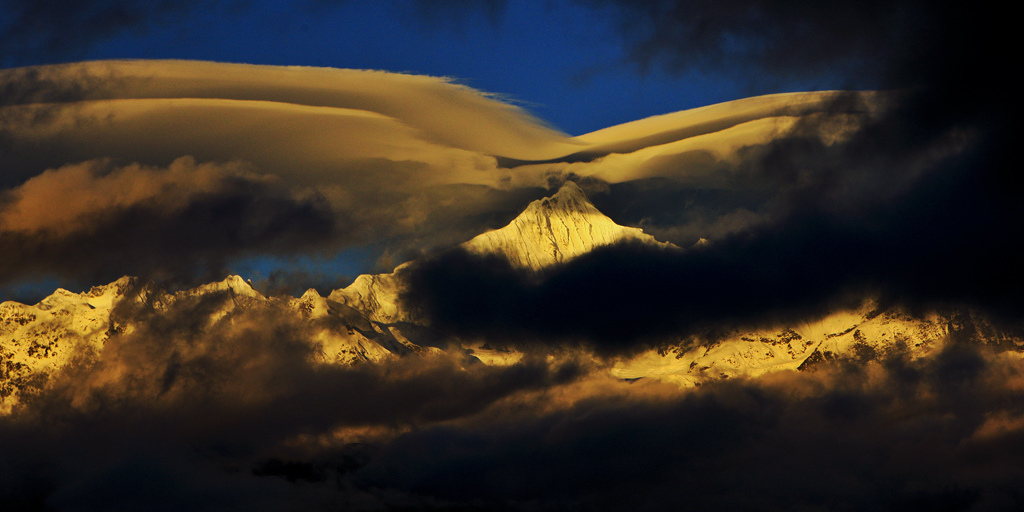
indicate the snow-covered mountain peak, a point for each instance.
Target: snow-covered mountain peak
{"x":554,"y":230}
{"x":549,"y":231}
{"x":105,"y":296}
{"x":102,"y":296}
{"x":235,"y":284}
{"x":569,"y":198}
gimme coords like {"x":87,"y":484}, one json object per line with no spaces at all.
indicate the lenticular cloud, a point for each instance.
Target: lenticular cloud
{"x":338,"y":158}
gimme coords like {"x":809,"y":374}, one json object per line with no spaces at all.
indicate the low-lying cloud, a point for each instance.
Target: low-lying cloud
{"x":206,"y":401}
{"x":917,"y":206}
{"x":915,"y":218}
{"x":906,"y":436}
{"x":85,"y":192}
{"x":240,"y":414}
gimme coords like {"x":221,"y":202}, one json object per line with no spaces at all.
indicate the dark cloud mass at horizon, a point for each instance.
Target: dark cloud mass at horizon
{"x":914,"y":226}
{"x":236,"y":417}
{"x":177,"y":403}
{"x":908,"y":197}
{"x":913,"y":206}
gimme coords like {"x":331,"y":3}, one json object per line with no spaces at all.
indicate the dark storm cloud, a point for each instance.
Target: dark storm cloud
{"x":61,"y":30}
{"x":627,"y":297}
{"x":917,"y":208}
{"x":950,"y":120}
{"x":95,"y":222}
{"x":943,"y":56}
{"x":860,"y":41}
{"x":235,"y":417}
{"x":184,"y":411}
{"x":843,"y":231}
{"x":918,"y":205}
{"x":909,"y":436}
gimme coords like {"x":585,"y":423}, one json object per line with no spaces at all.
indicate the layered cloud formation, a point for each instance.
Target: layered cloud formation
{"x":334,"y":159}
{"x":354,"y":156}
{"x":904,"y":195}
{"x":170,"y":169}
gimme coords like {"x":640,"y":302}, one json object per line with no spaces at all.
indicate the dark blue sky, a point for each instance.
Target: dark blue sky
{"x":564,"y":61}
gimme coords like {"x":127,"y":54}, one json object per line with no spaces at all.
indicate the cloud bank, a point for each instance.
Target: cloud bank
{"x":239,"y":414}
{"x":907,"y":196}
{"x":809,"y":200}
{"x":340,"y":158}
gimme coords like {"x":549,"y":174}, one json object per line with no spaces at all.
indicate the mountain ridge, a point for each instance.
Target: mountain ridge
{"x":548,"y":232}
{"x":366,"y":321}
{"x":554,"y":230}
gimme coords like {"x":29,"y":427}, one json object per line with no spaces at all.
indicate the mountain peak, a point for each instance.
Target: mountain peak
{"x":234,"y":284}
{"x":569,"y":198}
{"x":554,"y":230}
{"x":570,"y":193}
{"x":550,"y":231}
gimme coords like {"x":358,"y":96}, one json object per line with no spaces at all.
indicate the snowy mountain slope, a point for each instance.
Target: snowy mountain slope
{"x":37,"y":341}
{"x":561,"y":227}
{"x":554,"y":230}
{"x":862,"y":333}
{"x":375,"y":296}
{"x":549,"y":231}
{"x":365,"y":322}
